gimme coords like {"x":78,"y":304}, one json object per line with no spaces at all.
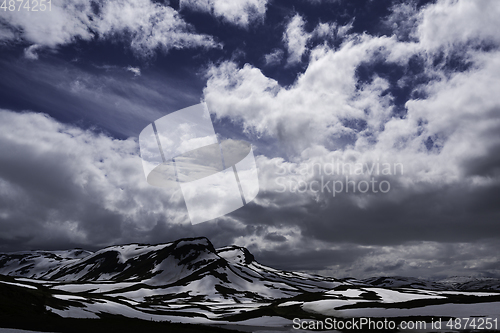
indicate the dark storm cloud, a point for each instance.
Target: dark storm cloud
{"x":457,"y":213}
{"x":351,"y":96}
{"x":489,"y":164}
{"x":386,"y":268}
{"x":448,"y":214}
{"x":275,"y":237}
{"x":289,"y":258}
{"x":62,"y":185}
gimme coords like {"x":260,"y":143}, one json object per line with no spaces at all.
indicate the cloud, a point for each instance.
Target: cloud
{"x":426,"y":259}
{"x":439,"y":218}
{"x":30,"y":52}
{"x":274,"y":58}
{"x":327,"y":90}
{"x":237,"y":12}
{"x":320,"y":110}
{"x":146,"y":25}
{"x":325,"y":30}
{"x":449,"y":23}
{"x":108,"y":97}
{"x":135,"y":70}
{"x":62,"y":187}
{"x":318,"y":2}
{"x":5,"y":34}
{"x":65,"y":185}
{"x":65,"y":22}
{"x":296,"y":38}
{"x":403,"y":19}
{"x":446,"y":136}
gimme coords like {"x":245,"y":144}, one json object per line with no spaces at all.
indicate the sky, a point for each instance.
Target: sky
{"x":375,"y":127}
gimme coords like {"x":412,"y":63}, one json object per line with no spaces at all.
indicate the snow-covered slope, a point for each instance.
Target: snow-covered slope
{"x":190,"y":281}
{"x":471,"y":283}
{"x":463,"y":283}
{"x":35,"y":264}
{"x":188,"y":266}
{"x":405,"y":282}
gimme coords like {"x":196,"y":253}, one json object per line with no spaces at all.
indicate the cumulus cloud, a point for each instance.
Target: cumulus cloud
{"x":403,"y":19}
{"x":67,"y":185}
{"x":135,"y":70}
{"x":30,"y":52}
{"x":65,"y":22}
{"x":274,"y":58}
{"x":62,"y":186}
{"x":6,"y":34}
{"x":146,"y":25}
{"x":321,"y":107}
{"x":325,"y":30}
{"x":440,"y":215}
{"x":237,"y":12}
{"x":451,"y":23}
{"x":309,"y":112}
{"x":446,"y":136}
{"x":296,"y":38}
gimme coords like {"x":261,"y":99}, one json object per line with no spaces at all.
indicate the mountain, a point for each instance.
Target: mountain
{"x":187,"y":265}
{"x":37,"y":263}
{"x":472,"y":283}
{"x":462,"y":283}
{"x":190,"y":281}
{"x":407,"y":282}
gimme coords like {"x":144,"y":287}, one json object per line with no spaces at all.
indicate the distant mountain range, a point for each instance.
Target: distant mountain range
{"x":189,"y":281}
{"x":462,"y":283}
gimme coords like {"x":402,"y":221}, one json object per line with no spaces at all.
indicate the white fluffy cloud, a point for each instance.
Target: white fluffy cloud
{"x":147,"y":24}
{"x":319,"y":108}
{"x":135,"y":70}
{"x":66,"y":21}
{"x":296,"y":38}
{"x":30,"y":52}
{"x":451,"y":23}
{"x":274,"y":58}
{"x":238,"y":12}
{"x":309,"y":112}
{"x":446,"y":140}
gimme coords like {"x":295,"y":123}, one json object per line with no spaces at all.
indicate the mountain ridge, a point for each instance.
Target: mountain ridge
{"x":136,"y":261}
{"x":190,"y":281}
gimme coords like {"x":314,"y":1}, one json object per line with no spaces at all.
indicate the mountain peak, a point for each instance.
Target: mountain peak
{"x":188,"y":249}
{"x":236,"y":254}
